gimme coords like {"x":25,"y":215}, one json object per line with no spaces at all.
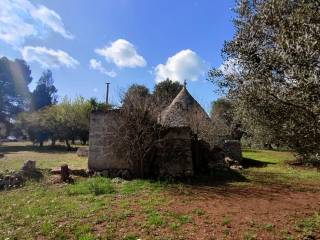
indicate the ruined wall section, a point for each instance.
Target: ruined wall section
{"x":103,"y":127}
{"x":174,"y":153}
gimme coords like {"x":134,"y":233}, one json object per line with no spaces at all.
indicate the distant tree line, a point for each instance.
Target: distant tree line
{"x":66,"y":121}
{"x":37,"y":115}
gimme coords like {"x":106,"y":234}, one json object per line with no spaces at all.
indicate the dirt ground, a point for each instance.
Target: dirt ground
{"x":235,"y":212}
{"x":262,"y":212}
{"x":267,"y":200}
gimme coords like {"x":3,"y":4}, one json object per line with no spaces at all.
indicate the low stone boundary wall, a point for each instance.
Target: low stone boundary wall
{"x":14,"y":179}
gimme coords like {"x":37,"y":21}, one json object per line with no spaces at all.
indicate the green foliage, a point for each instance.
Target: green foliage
{"x":98,"y":106}
{"x":14,"y":93}
{"x":226,"y":221}
{"x":45,"y":92}
{"x":276,"y":169}
{"x":95,"y":185}
{"x":131,"y":237}
{"x":250,"y":236}
{"x":225,"y":125}
{"x":222,"y":110}
{"x":309,"y":226}
{"x":155,"y":219}
{"x":68,"y":120}
{"x":46,"y":228}
{"x":34,"y":125}
{"x":136,"y":96}
{"x":272,"y":71}
{"x":199,"y":211}
{"x":136,"y":186}
{"x":83,"y":232}
{"x":87,"y":237}
{"x":165,"y":91}
{"x":76,"y":117}
{"x":184,"y":219}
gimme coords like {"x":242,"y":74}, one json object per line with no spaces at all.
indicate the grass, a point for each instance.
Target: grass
{"x":96,"y":186}
{"x":275,"y":169}
{"x":309,"y":226}
{"x":97,"y":208}
{"x":226,"y":221}
{"x":135,"y":186}
{"x":47,"y":157}
{"x":199,"y":211}
{"x":65,"y":212}
{"x":250,"y":236}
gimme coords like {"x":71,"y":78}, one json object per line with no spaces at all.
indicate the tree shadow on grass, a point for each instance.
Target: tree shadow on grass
{"x":248,"y":163}
{"x":31,"y":148}
{"x":224,"y":176}
{"x":218,"y":177}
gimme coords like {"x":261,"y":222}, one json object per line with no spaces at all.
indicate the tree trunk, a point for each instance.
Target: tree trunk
{"x":68,"y":144}
{"x":65,"y":175}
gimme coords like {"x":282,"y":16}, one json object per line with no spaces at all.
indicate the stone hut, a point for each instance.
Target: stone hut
{"x":181,"y":150}
{"x":185,"y":111}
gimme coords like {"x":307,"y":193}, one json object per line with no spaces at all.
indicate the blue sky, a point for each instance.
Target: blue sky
{"x":87,"y":42}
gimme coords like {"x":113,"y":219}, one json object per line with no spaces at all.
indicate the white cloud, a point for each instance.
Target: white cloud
{"x":123,"y":54}
{"x":97,"y":65}
{"x":48,"y":58}
{"x":20,"y":19}
{"x":184,"y":65}
{"x":230,"y":67}
{"x":51,"y":19}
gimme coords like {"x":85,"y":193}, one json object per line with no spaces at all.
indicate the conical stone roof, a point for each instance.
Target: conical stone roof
{"x":185,"y":111}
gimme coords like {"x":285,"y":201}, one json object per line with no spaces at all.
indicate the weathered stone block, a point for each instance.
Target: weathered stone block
{"x":83,"y":152}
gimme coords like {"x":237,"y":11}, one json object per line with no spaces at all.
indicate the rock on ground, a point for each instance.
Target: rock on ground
{"x":83,"y":152}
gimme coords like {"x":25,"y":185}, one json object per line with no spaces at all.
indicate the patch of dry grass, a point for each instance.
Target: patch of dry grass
{"x":16,"y":153}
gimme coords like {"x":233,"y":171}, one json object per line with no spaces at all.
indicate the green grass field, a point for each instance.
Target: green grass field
{"x":97,"y":208}
{"x":276,"y":170}
{"x":17,"y":153}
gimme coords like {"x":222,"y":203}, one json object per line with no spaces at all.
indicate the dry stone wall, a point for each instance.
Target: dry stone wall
{"x":174,"y":154}
{"x":103,"y":127}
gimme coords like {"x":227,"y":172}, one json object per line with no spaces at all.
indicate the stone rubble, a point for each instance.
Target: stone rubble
{"x":14,"y":179}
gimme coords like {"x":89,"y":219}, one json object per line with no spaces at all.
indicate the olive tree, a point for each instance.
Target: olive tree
{"x":272,"y":70}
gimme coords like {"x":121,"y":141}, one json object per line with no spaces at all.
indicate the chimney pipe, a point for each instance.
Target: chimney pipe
{"x":107,"y":95}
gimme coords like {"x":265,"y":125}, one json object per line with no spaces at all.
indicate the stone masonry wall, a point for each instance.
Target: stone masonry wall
{"x":173,"y":154}
{"x":102,"y":129}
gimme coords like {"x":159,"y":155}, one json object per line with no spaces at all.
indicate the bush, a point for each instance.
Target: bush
{"x":310,"y":160}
